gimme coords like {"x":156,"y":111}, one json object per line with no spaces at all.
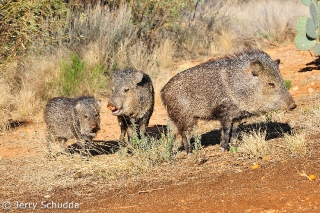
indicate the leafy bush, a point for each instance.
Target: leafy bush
{"x":76,"y":78}
{"x":30,"y":25}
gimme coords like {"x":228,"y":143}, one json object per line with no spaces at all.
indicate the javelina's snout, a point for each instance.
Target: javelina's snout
{"x":114,"y":109}
{"x":292,"y":106}
{"x":111,"y":106}
{"x":93,"y":126}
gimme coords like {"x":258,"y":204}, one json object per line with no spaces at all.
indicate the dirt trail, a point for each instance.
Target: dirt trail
{"x":276,"y":187}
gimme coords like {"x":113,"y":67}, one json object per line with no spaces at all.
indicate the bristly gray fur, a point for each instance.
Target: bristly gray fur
{"x":227,"y":89}
{"x":68,"y":118}
{"x":132,"y":101}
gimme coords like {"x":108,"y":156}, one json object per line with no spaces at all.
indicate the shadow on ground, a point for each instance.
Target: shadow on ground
{"x":97,"y":147}
{"x":100,"y":147}
{"x":272,"y":129}
{"x":314,"y":65}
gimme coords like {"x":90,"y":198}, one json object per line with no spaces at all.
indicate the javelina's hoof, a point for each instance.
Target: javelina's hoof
{"x":224,"y":149}
{"x":85,"y":155}
{"x":190,"y":154}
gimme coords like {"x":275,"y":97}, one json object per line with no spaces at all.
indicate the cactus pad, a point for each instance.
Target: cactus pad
{"x":314,"y":14}
{"x":311,"y":29}
{"x":303,"y":43}
{"x":306,"y":2}
{"x":301,"y":24}
{"x":316,"y":49}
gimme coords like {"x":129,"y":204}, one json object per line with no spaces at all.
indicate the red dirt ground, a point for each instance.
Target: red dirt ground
{"x":276,"y":187}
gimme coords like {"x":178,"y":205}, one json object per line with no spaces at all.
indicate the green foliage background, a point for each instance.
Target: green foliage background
{"x":30,"y":25}
{"x":40,"y":25}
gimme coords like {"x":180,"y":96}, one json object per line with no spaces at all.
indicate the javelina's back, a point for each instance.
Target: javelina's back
{"x":68,"y":118}
{"x":227,"y":89}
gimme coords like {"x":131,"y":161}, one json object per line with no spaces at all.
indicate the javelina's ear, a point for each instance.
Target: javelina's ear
{"x":78,"y":107}
{"x":98,"y":103}
{"x":255,"y":68}
{"x":138,"y":77}
{"x":277,"y":61}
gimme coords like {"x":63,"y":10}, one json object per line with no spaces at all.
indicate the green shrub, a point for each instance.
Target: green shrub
{"x":288,"y":84}
{"x":30,"y":25}
{"x":150,"y":150}
{"x":76,"y":78}
{"x":72,"y":75}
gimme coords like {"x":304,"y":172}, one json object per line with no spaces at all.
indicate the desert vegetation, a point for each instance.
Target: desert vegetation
{"x":67,"y":48}
{"x":58,"y":48}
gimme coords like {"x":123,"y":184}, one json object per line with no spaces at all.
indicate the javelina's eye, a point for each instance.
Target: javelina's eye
{"x":272,"y":85}
{"x":96,"y":115}
{"x":126,"y":90}
{"x":85,"y":116}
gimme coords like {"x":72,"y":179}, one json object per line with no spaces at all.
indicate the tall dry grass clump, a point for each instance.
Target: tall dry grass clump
{"x":255,"y":145}
{"x":5,"y":104}
{"x":112,"y":40}
{"x":205,"y":31}
{"x":267,"y":22}
{"x":296,"y":144}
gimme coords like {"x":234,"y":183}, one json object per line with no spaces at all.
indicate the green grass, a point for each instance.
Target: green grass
{"x":72,"y":75}
{"x":149,"y":151}
{"x":288,"y":84}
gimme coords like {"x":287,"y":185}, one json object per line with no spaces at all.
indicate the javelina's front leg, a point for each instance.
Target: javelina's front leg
{"x":225,"y":134}
{"x":123,"y":128}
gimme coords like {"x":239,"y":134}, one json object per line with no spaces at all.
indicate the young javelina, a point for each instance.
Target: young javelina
{"x":68,"y":118}
{"x":227,"y":89}
{"x":132,"y":101}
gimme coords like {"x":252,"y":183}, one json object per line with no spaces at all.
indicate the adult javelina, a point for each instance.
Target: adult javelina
{"x":132,"y":101}
{"x":68,"y":118}
{"x":227,"y":89}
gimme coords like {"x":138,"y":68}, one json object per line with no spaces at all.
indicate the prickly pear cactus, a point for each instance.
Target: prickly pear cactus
{"x":308,"y":37}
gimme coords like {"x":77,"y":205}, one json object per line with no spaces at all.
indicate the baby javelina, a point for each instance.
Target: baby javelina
{"x":68,"y":118}
{"x":132,"y":101}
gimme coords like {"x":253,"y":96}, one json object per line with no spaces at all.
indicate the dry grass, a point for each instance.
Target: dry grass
{"x":111,"y":41}
{"x":255,"y":145}
{"x":296,"y":144}
{"x":40,"y":176}
{"x":5,"y":104}
{"x":108,"y":38}
{"x":267,"y":22}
